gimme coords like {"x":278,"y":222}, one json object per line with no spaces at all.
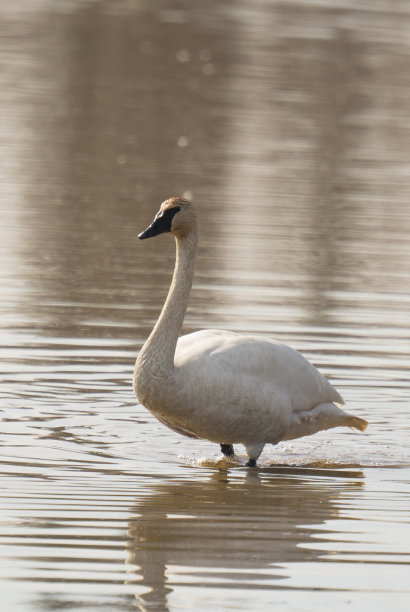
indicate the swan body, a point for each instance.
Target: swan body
{"x":221,"y":386}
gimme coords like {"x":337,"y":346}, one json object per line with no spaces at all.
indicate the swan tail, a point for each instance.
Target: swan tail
{"x":324,"y":416}
{"x":357,"y":423}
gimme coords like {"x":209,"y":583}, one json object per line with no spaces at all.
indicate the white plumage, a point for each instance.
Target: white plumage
{"x":222,"y":386}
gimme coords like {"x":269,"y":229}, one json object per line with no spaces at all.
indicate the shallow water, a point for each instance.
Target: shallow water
{"x":288,"y":124}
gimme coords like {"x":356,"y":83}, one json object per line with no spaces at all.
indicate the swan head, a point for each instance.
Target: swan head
{"x":175,"y":216}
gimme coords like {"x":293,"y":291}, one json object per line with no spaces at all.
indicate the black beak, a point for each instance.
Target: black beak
{"x":153,"y":230}
{"x":161,"y":224}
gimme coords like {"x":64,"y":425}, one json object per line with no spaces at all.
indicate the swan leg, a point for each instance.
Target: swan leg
{"x":227,"y":450}
{"x":253,"y":451}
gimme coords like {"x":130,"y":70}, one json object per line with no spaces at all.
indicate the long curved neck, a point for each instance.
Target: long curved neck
{"x":159,"y":349}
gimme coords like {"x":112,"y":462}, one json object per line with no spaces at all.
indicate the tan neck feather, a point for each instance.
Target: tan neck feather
{"x":159,"y":350}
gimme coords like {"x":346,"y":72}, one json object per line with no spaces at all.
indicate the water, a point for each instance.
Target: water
{"x":288,"y":124}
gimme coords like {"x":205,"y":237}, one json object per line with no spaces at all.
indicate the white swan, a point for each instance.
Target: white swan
{"x":219,"y":385}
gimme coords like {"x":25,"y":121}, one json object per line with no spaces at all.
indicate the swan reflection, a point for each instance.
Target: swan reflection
{"x":230,"y":530}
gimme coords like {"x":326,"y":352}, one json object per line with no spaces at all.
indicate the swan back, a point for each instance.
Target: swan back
{"x":229,"y":356}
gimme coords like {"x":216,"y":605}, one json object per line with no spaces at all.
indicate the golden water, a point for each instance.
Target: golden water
{"x":289,"y":125}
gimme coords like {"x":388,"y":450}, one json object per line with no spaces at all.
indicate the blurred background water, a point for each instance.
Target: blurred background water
{"x":288,"y":124}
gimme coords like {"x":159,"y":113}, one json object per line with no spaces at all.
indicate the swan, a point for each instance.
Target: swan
{"x":222,"y":386}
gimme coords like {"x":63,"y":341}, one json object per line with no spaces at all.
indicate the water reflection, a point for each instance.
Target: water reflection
{"x":229,"y":531}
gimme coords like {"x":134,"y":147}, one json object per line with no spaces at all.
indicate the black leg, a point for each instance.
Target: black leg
{"x":251,"y":463}
{"x":227,"y":450}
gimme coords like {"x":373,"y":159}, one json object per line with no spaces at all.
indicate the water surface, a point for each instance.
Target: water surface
{"x":288,"y":125}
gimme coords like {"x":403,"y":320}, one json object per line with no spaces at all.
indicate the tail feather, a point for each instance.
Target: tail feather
{"x":357,"y":423}
{"x":324,"y":416}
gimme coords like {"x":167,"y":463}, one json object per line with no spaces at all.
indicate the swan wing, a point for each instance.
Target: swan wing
{"x":228,"y":355}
